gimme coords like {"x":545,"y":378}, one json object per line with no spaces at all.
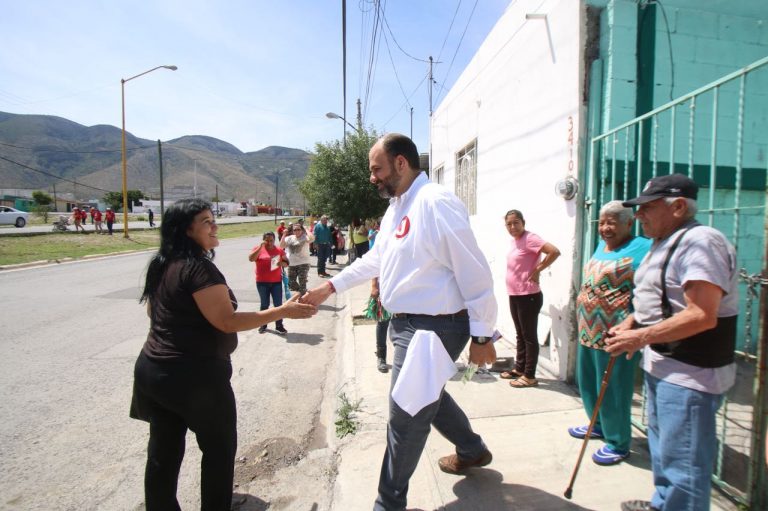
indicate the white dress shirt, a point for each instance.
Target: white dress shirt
{"x":427,"y":259}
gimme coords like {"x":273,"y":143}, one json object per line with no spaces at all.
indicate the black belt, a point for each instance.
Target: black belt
{"x":462,"y":314}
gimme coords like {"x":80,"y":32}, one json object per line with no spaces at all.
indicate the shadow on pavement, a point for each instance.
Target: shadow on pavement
{"x":243,"y":502}
{"x":484,"y":489}
{"x":311,"y":339}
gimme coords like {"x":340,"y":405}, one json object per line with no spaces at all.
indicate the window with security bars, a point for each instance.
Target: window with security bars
{"x":466,"y":176}
{"x":438,"y":175}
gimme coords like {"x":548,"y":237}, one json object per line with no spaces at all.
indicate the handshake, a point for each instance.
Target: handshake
{"x":305,"y":306}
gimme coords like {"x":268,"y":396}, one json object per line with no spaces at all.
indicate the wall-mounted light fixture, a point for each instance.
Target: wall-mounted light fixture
{"x":542,"y":16}
{"x":567,"y":188}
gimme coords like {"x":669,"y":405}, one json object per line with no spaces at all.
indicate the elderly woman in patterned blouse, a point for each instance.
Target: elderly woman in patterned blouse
{"x":605,"y":300}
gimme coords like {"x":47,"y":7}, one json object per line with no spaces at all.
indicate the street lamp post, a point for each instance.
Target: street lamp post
{"x":125,"y":165}
{"x":332,"y":115}
{"x":277,"y":179}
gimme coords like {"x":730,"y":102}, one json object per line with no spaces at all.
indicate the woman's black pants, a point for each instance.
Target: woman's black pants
{"x":525,"y":314}
{"x":186,"y":394}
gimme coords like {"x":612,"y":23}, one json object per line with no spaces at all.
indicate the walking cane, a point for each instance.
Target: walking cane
{"x":603,"y":386}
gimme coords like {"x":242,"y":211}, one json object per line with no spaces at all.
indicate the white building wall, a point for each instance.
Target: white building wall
{"x":520,"y":97}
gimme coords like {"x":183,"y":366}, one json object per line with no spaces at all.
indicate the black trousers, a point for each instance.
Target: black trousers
{"x":182,"y":394}
{"x":361,"y":249}
{"x":525,"y":314}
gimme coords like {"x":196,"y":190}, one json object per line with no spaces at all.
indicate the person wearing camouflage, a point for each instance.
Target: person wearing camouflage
{"x":296,"y":246}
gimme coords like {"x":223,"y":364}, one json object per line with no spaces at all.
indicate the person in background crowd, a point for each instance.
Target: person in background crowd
{"x":685,"y":313}
{"x":322,"y":234}
{"x":269,"y":261}
{"x":77,"y":218}
{"x":182,"y":376}
{"x":281,"y":230}
{"x":312,"y":247}
{"x":359,"y":237}
{"x":372,"y":232}
{"x":379,"y":313}
{"x":604,"y":300}
{"x":334,"y":241}
{"x":93,"y":214}
{"x":97,"y":221}
{"x":109,"y":216}
{"x":436,"y":282}
{"x":151,"y":215}
{"x":524,"y":265}
{"x":296,"y":246}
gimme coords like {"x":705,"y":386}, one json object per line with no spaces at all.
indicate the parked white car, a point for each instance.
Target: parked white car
{"x":13,"y":216}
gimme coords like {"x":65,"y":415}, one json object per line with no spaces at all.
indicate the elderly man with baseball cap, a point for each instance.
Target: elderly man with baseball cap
{"x":684,"y":320}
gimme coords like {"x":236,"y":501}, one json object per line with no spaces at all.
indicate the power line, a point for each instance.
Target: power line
{"x":77,"y":152}
{"x":372,"y":57}
{"x":394,"y":68}
{"x":449,"y":30}
{"x":153,"y":146}
{"x":53,"y":176}
{"x":406,"y":101}
{"x":442,"y":86}
{"x":364,"y":18}
{"x":395,"y":40}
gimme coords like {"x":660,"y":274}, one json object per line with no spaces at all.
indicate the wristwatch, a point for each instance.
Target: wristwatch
{"x":479,"y":339}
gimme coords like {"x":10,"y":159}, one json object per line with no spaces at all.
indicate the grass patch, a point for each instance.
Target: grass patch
{"x":347,"y":424}
{"x":71,"y":245}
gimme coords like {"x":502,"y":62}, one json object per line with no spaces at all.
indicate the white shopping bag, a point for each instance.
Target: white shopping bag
{"x":426,"y":369}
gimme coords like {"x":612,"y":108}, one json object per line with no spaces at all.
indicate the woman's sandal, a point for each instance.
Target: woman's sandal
{"x":510,"y":375}
{"x":523,"y":382}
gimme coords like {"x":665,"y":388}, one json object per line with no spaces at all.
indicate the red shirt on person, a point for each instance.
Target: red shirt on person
{"x":109,"y":215}
{"x":97,"y":215}
{"x":264,"y":271}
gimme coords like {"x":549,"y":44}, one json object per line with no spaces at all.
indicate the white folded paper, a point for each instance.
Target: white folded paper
{"x":426,"y":369}
{"x":274,"y":263}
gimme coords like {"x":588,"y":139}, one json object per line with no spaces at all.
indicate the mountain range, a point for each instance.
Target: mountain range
{"x":42,"y":151}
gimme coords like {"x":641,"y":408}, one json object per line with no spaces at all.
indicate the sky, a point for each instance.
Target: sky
{"x":254,"y":73}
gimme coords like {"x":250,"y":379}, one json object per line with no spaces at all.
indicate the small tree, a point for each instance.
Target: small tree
{"x":42,"y":204}
{"x":115,"y":199}
{"x":337,"y":183}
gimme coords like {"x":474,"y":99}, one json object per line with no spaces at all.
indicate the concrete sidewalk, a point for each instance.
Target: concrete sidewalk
{"x":525,"y":429}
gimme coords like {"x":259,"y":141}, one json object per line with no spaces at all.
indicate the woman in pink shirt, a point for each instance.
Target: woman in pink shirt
{"x":524,"y":265}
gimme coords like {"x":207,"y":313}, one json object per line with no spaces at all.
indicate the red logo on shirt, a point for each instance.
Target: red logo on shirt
{"x":403,"y":228}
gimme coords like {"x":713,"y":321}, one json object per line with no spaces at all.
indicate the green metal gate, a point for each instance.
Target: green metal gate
{"x":717,"y":135}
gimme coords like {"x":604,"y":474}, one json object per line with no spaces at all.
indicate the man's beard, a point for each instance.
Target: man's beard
{"x":387,"y":189}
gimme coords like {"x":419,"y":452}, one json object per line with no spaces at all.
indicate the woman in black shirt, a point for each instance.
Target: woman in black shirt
{"x":181,"y":378}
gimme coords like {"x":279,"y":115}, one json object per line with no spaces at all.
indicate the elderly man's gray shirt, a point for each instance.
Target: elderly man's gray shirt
{"x":703,"y":254}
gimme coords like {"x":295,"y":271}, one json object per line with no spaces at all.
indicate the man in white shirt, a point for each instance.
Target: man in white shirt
{"x":435,"y":280}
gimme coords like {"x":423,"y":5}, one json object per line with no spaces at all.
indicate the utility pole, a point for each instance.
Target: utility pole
{"x":195,"y":187}
{"x":430,"y":85}
{"x":277,"y":179}
{"x":359,"y":117}
{"x":162,"y":195}
{"x":55,"y":202}
{"x":218,"y":211}
{"x":344,"y":64}
{"x":411,"y":123}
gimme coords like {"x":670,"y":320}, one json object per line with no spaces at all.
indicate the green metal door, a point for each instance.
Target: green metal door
{"x":717,"y":135}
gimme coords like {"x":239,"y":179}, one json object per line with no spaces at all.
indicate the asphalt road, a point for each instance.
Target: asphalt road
{"x":9,"y":230}
{"x":70,"y":335}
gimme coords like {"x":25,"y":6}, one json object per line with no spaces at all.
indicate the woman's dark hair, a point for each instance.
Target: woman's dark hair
{"x":268,"y":233}
{"x":174,"y":241}
{"x":515,"y":212}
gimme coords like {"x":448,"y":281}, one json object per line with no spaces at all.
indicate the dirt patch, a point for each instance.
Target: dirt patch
{"x":265,"y":458}
{"x":362,"y":320}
